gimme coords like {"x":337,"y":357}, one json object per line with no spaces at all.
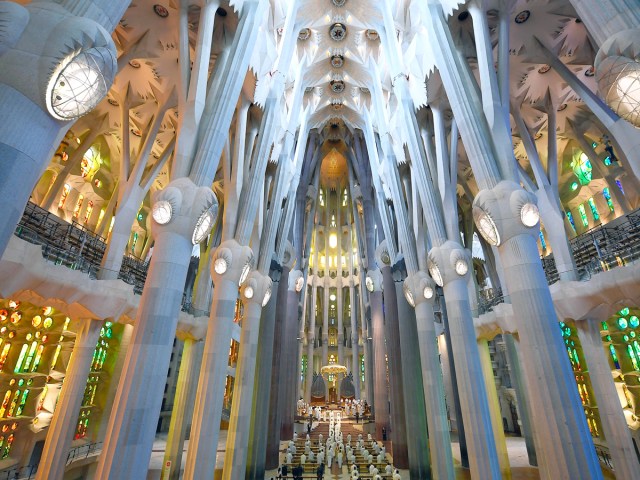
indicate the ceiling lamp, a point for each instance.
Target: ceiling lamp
{"x":267,"y":297}
{"x":245,"y":273}
{"x":203,"y":226}
{"x":80,"y":82}
{"x":486,"y":226}
{"x":434,"y":271}
{"x":161,"y":212}
{"x":428,"y":292}
{"x":332,"y":297}
{"x":529,"y":214}
{"x":369,"y":283}
{"x":248,"y":291}
{"x":220,"y":265}
{"x":409,"y":296}
{"x":462,"y":267}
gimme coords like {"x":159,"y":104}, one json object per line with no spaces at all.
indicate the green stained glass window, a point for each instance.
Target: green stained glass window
{"x":624,"y":312}
{"x":605,"y":326}
{"x":582,"y":169}
{"x":607,"y":196}
{"x":594,"y":209}
{"x":622,"y":323}
{"x":614,"y":356}
{"x":634,"y":321}
{"x":583,"y":215}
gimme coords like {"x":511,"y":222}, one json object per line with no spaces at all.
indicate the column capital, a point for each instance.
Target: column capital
{"x":383,"y":256}
{"x":231,"y":260}
{"x":448,"y":262}
{"x":185,"y":209}
{"x":373,"y":280}
{"x":505,"y":211}
{"x":296,"y":281}
{"x":256,"y":288}
{"x":418,"y":288}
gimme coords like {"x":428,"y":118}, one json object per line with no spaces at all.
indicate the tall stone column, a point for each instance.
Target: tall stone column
{"x":230,"y":264}
{"x":379,"y":393}
{"x":414,"y":401}
{"x":187,"y":375}
{"x":277,"y":394}
{"x":455,"y":399}
{"x":614,"y":424}
{"x":355,"y":353}
{"x":494,"y":408}
{"x":63,"y":424}
{"x":42,"y":41}
{"x":311,"y":339}
{"x":260,"y":423}
{"x":289,"y":365}
{"x":325,"y":328}
{"x":131,"y":430}
{"x":396,"y":377}
{"x":421,"y":290}
{"x":341,"y":359}
{"x":564,"y":443}
{"x":448,"y":266}
{"x":256,"y":292}
{"x":524,"y":410}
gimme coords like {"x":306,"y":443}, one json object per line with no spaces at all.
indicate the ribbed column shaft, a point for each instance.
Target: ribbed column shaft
{"x":62,"y":428}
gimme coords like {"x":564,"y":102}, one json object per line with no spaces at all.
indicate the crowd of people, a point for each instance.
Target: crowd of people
{"x":337,"y":448}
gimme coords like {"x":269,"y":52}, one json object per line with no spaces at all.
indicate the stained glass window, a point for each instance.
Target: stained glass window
{"x":607,"y":197}
{"x":78,"y":207}
{"x":594,"y":209}
{"x":543,"y":242}
{"x":619,"y":184}
{"x":571,"y":221}
{"x":87,"y":214}
{"x":63,"y":196}
{"x":583,"y":215}
{"x":582,"y":169}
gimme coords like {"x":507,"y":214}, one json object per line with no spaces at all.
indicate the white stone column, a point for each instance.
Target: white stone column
{"x":178,"y":425}
{"x":381,"y":399}
{"x":563,"y":441}
{"x":63,"y":424}
{"x":311,"y":338}
{"x":229,"y":264}
{"x":494,"y":408}
{"x":614,"y":424}
{"x":442,"y":263}
{"x":256,"y":292}
{"x":131,"y":430}
{"x":355,"y":353}
{"x":421,"y":290}
{"x":260,"y":423}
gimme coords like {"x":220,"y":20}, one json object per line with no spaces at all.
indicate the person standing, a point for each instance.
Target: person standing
{"x":320,"y":471}
{"x":357,"y":417}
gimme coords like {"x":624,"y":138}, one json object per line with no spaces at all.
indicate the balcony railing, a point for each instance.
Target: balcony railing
{"x":74,"y":246}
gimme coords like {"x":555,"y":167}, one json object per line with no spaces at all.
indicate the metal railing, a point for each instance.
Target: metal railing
{"x":600,"y":249}
{"x":29,"y":471}
{"x":74,"y":246}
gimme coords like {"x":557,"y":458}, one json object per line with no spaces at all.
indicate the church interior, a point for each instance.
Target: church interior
{"x":323,"y":239}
